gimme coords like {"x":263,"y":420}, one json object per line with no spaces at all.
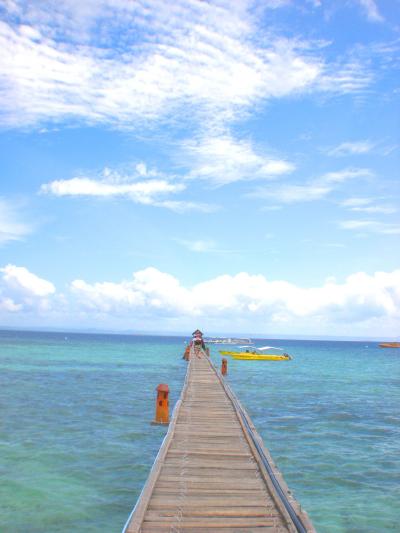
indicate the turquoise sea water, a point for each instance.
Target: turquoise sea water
{"x":76,"y":444}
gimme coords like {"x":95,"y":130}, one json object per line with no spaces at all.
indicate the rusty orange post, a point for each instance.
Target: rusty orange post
{"x":186,"y":355}
{"x":162,"y":405}
{"x":224,"y":367}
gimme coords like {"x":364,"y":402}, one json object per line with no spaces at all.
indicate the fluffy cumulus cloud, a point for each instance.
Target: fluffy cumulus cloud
{"x":130,"y":63}
{"x":155,"y":300}
{"x":21,"y":290}
{"x":150,"y":291}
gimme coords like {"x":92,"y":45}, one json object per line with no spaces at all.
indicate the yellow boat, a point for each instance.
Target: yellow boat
{"x":256,"y":354}
{"x":261,"y":357}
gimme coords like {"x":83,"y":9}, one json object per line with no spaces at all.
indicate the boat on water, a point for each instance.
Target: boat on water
{"x":227,"y":340}
{"x":262,"y":357}
{"x":264,"y":353}
{"x":389,"y":345}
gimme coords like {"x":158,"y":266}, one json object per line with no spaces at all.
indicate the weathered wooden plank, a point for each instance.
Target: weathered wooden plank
{"x":230,"y":482}
{"x":198,"y":529}
{"x":212,"y":473}
{"x":248,"y":482}
{"x":210,"y":490}
{"x":204,"y":497}
{"x":215,"y":522}
{"x":203,"y":462}
{"x":157,"y":512}
{"x":210,"y":454}
{"x":201,"y":448}
{"x":197,"y":493}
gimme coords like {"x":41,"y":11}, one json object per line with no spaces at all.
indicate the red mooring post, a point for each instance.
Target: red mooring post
{"x":162,"y":405}
{"x":186,"y":355}
{"x":224,"y":367}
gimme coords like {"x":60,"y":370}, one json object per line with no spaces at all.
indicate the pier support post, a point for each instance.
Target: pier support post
{"x":162,"y":405}
{"x":224,"y":367}
{"x":186,"y":355}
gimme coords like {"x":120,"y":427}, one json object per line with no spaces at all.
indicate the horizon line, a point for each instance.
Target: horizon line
{"x":158,"y":333}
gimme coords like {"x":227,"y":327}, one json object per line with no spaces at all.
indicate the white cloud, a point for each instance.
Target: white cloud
{"x":371,"y":10}
{"x":345,"y":174}
{"x":222,"y":159}
{"x":378,"y":209}
{"x":132,"y":63}
{"x":357,"y":224}
{"x":21,"y":290}
{"x":363,"y":205}
{"x":198,"y":245}
{"x":288,"y":194}
{"x":8,"y":305}
{"x":274,"y":4}
{"x":156,"y":299}
{"x":112,"y":184}
{"x":204,"y":246}
{"x":352,"y":148}
{"x":141,"y":169}
{"x":195,"y":60}
{"x":311,"y":190}
{"x":359,"y":298}
{"x":356,"y":202}
{"x":350,"y":75}
{"x":183,"y":206}
{"x":334,"y":245}
{"x":11,"y":227}
{"x":141,"y":192}
{"x":21,"y":280}
{"x":143,"y":186}
{"x":151,"y":291}
{"x":372,"y":226}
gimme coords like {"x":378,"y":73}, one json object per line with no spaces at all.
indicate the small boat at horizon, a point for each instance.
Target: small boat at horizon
{"x":227,"y":340}
{"x":389,"y":345}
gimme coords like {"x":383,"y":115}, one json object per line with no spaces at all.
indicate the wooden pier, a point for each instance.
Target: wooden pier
{"x":212,"y":473}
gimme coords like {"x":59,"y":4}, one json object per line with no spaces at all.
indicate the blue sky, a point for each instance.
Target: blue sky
{"x":232,"y":166}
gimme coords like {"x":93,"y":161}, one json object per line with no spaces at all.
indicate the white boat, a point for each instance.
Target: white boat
{"x":227,"y":340}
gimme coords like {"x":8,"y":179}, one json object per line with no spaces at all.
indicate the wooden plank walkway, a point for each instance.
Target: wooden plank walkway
{"x":209,"y":475}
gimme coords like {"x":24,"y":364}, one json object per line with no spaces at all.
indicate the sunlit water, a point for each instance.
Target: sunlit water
{"x":76,"y":443}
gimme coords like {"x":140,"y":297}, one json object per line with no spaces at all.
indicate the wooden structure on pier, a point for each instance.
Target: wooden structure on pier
{"x":212,"y":473}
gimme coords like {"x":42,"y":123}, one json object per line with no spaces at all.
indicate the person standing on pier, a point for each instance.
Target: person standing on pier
{"x":198,"y":342}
